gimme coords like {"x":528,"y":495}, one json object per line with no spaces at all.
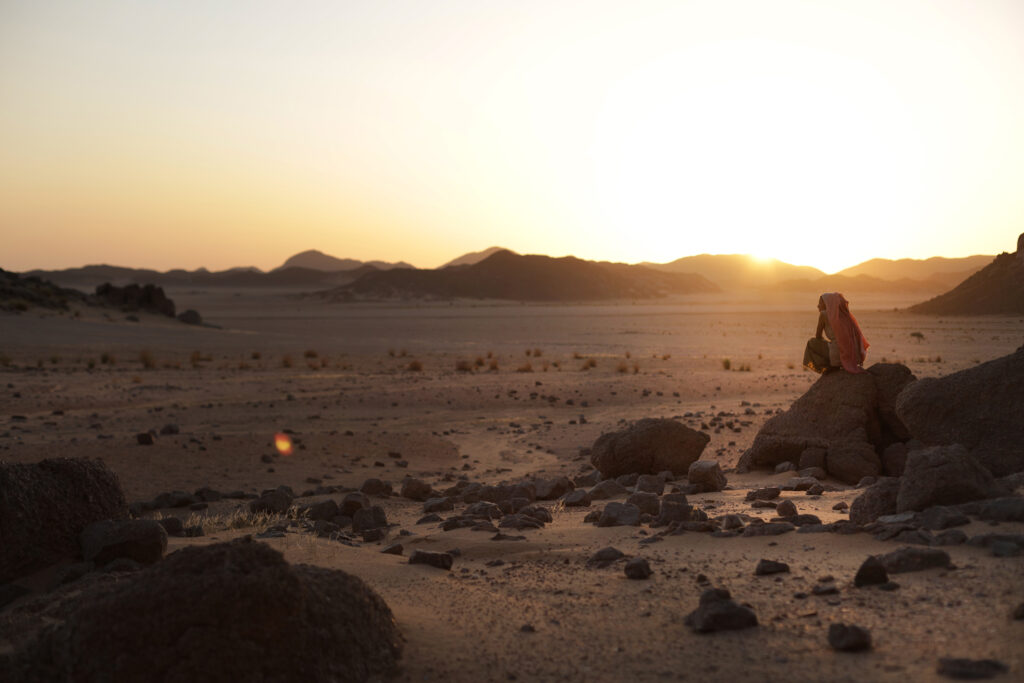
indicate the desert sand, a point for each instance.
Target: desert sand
{"x":337,"y":377}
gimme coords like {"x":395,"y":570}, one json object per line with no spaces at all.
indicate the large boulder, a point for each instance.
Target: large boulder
{"x":648,"y":446}
{"x":706,"y":475}
{"x":944,"y":475}
{"x":877,"y":500}
{"x":223,"y":612}
{"x":142,"y":540}
{"x":45,"y":506}
{"x":842,"y":413}
{"x":979,"y":407}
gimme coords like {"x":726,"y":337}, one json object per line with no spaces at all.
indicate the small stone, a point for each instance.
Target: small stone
{"x":763,"y":494}
{"x":848,"y":638}
{"x":767,"y":567}
{"x":605,"y":556}
{"x":718,"y":612}
{"x":439,"y":560}
{"x":915,"y":559}
{"x":393,"y":549}
{"x":973,"y":669}
{"x":638,"y":568}
{"x":786,"y":508}
{"x":145,"y":439}
{"x":871,"y":573}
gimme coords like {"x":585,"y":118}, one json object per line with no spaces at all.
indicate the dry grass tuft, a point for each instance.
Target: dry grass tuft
{"x":493,"y":365}
{"x":479,"y":362}
{"x":147,"y":359}
{"x":286,"y":361}
{"x":622,"y":367}
{"x":415,"y":366}
{"x":525,"y":367}
{"x":589,"y":363}
{"x":726,"y":364}
{"x":463,"y":366}
{"x":256,"y":355}
{"x":310,"y":353}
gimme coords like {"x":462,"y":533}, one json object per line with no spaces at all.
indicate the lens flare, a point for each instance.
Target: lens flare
{"x":283,"y":443}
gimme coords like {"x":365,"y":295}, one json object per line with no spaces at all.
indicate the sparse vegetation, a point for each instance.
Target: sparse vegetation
{"x":537,"y":353}
{"x":415,"y":366}
{"x":726,"y":364}
{"x":5,"y":360}
{"x":791,"y":366}
{"x":91,"y":363}
{"x":107,"y":358}
{"x":310,"y":353}
{"x":525,"y":367}
{"x":147,"y":359}
{"x":54,"y":359}
{"x":136,"y":379}
{"x":463,"y":366}
{"x":666,"y":356}
{"x":919,"y":336}
{"x":286,"y":361}
{"x":622,"y":367}
{"x":589,"y":363}
{"x":577,"y":355}
{"x":242,"y":365}
{"x":743,"y":368}
{"x":493,"y":365}
{"x":391,"y":352}
{"x":479,"y":362}
{"x":256,"y":355}
{"x":628,"y":355}
{"x":636,"y":368}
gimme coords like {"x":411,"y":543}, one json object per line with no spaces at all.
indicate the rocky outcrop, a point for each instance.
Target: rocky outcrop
{"x":944,"y":475}
{"x":648,"y":446}
{"x":852,"y":417}
{"x":979,"y":407}
{"x":45,"y":506}
{"x":998,"y":288}
{"x":136,"y":298}
{"x":877,"y":500}
{"x":229,"y":611}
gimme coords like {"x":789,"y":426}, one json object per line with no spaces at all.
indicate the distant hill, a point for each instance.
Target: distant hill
{"x":317,"y":260}
{"x":738,"y":271}
{"x":474,"y":257}
{"x":937,"y":268}
{"x":998,"y":288}
{"x":859,"y":284}
{"x":510,"y":276}
{"x":91,"y":276}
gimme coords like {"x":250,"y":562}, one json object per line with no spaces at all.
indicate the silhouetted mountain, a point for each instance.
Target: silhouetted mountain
{"x":859,"y":283}
{"x":738,"y":271}
{"x":317,"y":260}
{"x":21,"y":292}
{"x":938,"y":269}
{"x":505,"y":275}
{"x":475,"y":257}
{"x":91,"y":276}
{"x":998,"y":288}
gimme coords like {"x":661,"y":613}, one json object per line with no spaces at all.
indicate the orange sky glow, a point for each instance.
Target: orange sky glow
{"x":221,"y":134}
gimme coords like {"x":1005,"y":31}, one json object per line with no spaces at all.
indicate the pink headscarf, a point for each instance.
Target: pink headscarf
{"x":853,"y":347}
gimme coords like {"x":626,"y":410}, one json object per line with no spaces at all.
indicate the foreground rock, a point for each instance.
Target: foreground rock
{"x":706,"y":476}
{"x":978,"y":407}
{"x":142,"y":540}
{"x":648,"y":446}
{"x":944,"y":475}
{"x":970,"y":669}
{"x":914,"y":560}
{"x":848,"y":638}
{"x":850,"y":417}
{"x":229,"y":611}
{"x":878,"y":500}
{"x":45,"y":506}
{"x":718,"y":612}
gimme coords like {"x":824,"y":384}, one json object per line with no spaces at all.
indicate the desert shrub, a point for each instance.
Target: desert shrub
{"x":917,"y":335}
{"x":622,"y":367}
{"x":666,"y":356}
{"x":479,"y":362}
{"x":324,"y":363}
{"x":537,"y":353}
{"x":415,"y":366}
{"x":5,"y":360}
{"x":463,"y":366}
{"x":493,"y":365}
{"x":403,"y":353}
{"x":310,"y":353}
{"x":556,"y":364}
{"x":636,"y":368}
{"x":628,"y":355}
{"x":242,"y":365}
{"x":525,"y":367}
{"x":391,"y":352}
{"x":726,"y":364}
{"x":286,"y":361}
{"x":577,"y":355}
{"x":54,"y":359}
{"x":490,"y":354}
{"x":744,"y":368}
{"x":147,"y":359}
{"x":589,"y":363}
{"x":791,"y":366}
{"x":107,"y":358}
{"x":136,"y":379}
{"x":255,"y":355}
{"x":40,"y":362}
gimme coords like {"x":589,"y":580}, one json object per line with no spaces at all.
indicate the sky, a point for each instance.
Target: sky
{"x":220,"y":134}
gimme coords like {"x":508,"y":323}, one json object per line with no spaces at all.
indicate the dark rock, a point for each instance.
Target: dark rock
{"x":588,"y":479}
{"x":145,"y":439}
{"x":637,"y":568}
{"x":970,"y":669}
{"x":324,"y":510}
{"x":604,"y":557}
{"x":619,"y":514}
{"x":768,"y":529}
{"x":438,"y":505}
{"x":767,"y":493}
{"x":143,"y":540}
{"x":950,"y":537}
{"x":439,"y":560}
{"x":844,"y":410}
{"x":169,"y":430}
{"x":1005,"y":549}
{"x":45,"y":506}
{"x":9,"y":592}
{"x":804,"y":520}
{"x":393,"y":549}
{"x":608,"y":488}
{"x":428,"y":519}
{"x":878,"y":500}
{"x":894,"y":459}
{"x":190,"y":317}
{"x":767,"y":567}
{"x":646,"y":502}
{"x":372,"y":517}
{"x":944,"y":475}
{"x":914,"y":560}
{"x":800,"y":484}
{"x":650,"y":483}
{"x":136,"y":297}
{"x":813,"y":472}
{"x":577,"y":498}
{"x":674,"y":510}
{"x":208,"y":495}
{"x":786,"y":508}
{"x":172,"y":525}
{"x":375,"y":487}
{"x":815,"y":490}
{"x":520,"y":521}
{"x":1003,"y":509}
{"x":848,"y":638}
{"x":978,"y":408}
{"x":940,"y":517}
{"x":356,"y":500}
{"x":785,"y":466}
{"x":553,"y":489}
{"x":275,"y":502}
{"x":373,"y":535}
{"x":826,"y":588}
{"x":1018,"y":612}
{"x":851,"y":461}
{"x":416,"y":489}
{"x":592,"y":517}
{"x":706,"y":475}
{"x":627,"y":480}
{"x":250,"y":616}
{"x":812,"y":457}
{"x":986,"y":540}
{"x":718,"y":612}
{"x":648,"y":446}
{"x":871,"y":573}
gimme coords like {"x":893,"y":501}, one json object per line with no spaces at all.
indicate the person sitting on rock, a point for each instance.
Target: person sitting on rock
{"x":843,"y":345}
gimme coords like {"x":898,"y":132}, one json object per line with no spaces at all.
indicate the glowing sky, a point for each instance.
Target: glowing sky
{"x":219,"y":134}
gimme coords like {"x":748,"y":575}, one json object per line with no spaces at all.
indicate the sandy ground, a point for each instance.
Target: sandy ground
{"x":338,"y":377}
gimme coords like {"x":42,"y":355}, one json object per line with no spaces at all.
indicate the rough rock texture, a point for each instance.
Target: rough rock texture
{"x":944,"y":475}
{"x":229,"y":611}
{"x":914,"y":560}
{"x":877,"y":500}
{"x":648,"y":446}
{"x":135,"y":297}
{"x":44,"y":507}
{"x":142,"y":540}
{"x":848,"y":638}
{"x":998,"y":288}
{"x":843,"y":412}
{"x":978,"y":408}
{"x":706,"y":475}
{"x":718,"y":612}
